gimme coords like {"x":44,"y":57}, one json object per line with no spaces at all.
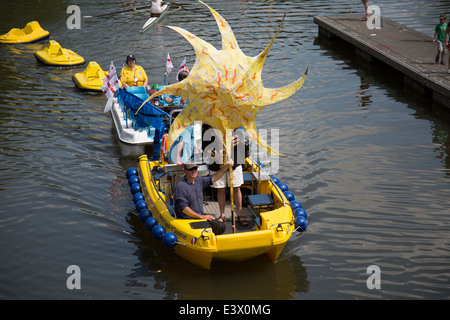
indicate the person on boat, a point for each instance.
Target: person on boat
{"x":185,"y":146}
{"x":188,"y":196}
{"x":214,"y":158}
{"x":172,"y":102}
{"x":156,"y":10}
{"x":132,"y":74}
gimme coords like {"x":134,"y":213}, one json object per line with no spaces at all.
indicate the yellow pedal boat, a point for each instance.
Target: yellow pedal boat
{"x":31,"y":33}
{"x":53,"y":54}
{"x":91,"y":79}
{"x":273,"y":215}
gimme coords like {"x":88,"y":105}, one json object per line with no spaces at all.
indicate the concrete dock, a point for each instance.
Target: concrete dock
{"x":404,"y":49}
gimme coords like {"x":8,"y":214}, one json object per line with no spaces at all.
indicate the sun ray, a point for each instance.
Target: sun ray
{"x":250,"y":128}
{"x":224,"y":88}
{"x":228,"y":39}
{"x":261,"y":58}
{"x":282,"y":93}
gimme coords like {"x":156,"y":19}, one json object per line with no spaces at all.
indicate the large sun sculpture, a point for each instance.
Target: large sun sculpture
{"x":224,"y":88}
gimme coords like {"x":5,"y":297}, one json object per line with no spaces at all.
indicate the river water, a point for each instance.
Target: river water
{"x":369,"y":162}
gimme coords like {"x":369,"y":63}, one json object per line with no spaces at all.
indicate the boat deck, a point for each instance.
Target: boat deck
{"x":211,"y":206}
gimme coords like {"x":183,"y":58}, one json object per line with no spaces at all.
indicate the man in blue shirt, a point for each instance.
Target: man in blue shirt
{"x":189,"y":195}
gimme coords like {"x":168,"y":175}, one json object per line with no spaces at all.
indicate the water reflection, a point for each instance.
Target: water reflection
{"x":367,"y":158}
{"x":381,"y":76}
{"x":257,"y":279}
{"x":441,"y":137}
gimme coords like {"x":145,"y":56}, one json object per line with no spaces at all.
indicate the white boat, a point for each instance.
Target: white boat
{"x":144,"y":128}
{"x":150,"y":22}
{"x":126,"y":129}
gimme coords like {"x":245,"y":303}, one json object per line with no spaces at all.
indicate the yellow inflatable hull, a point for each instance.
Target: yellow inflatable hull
{"x":202,"y":246}
{"x":31,"y":33}
{"x":53,"y":54}
{"x":91,"y":79}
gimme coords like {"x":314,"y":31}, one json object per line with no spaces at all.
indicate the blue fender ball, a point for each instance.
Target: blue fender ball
{"x":150,"y":223}
{"x":141,"y":204}
{"x":133,"y":180}
{"x":158,"y":231}
{"x":169,"y":239}
{"x":289,"y":195}
{"x":131,"y":172}
{"x":299,"y":212}
{"x":295,"y":204}
{"x":301,"y":223}
{"x":135,"y":188}
{"x":275,"y":180}
{"x":283,"y":186}
{"x":144,"y":214}
{"x":138,"y":196}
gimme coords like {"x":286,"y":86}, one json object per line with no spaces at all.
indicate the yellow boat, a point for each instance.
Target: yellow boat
{"x":91,"y":79}
{"x":31,"y":33}
{"x":53,"y":54}
{"x":272,"y":212}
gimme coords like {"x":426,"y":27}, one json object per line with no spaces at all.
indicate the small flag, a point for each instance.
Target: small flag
{"x":110,"y":86}
{"x":169,"y":65}
{"x":182,"y":67}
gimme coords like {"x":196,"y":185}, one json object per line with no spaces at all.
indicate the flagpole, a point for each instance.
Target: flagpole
{"x":229,"y":142}
{"x":233,"y":222}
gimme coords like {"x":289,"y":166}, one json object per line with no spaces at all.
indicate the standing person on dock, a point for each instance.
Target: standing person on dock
{"x":366,"y":8}
{"x":156,"y":10}
{"x":439,"y":38}
{"x":447,"y":43}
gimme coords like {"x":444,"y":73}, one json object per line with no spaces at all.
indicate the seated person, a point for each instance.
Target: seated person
{"x":156,"y":9}
{"x":154,"y":101}
{"x":189,"y":196}
{"x":171,"y":102}
{"x":132,"y":74}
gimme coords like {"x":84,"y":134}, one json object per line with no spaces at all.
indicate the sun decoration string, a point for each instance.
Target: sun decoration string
{"x":224,"y":88}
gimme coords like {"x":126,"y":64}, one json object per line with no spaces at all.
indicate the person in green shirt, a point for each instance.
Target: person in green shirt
{"x":447,"y":43}
{"x":439,"y":38}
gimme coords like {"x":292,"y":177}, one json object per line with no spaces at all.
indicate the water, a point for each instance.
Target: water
{"x":369,"y":162}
